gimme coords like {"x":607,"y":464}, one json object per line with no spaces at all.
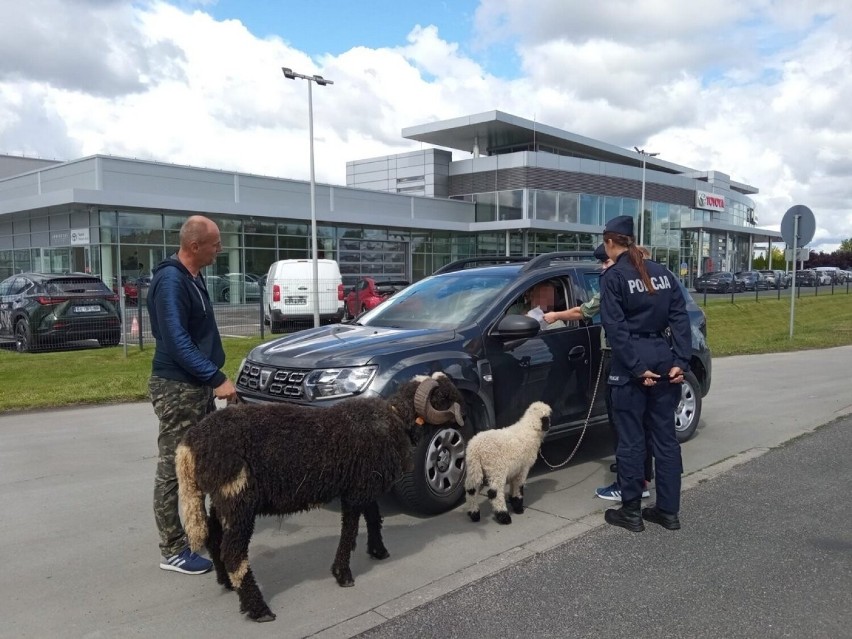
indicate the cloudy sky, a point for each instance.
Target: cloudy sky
{"x":758,"y":89}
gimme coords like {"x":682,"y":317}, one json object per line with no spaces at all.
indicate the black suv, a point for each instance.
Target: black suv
{"x":38,"y":310}
{"x":465,"y":320}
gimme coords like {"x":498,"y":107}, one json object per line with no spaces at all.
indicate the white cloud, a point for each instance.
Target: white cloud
{"x":757,"y":89}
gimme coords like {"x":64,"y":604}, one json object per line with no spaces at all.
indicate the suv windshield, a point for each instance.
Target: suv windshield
{"x":447,"y":301}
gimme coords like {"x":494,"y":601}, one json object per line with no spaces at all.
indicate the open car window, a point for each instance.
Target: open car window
{"x":552,"y":294}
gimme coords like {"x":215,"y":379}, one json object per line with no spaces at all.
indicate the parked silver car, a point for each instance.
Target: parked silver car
{"x":239,"y":287}
{"x":824,"y":278}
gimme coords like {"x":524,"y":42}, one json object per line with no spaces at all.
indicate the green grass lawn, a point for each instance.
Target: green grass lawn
{"x":88,"y":376}
{"x":749,"y":327}
{"x":105,"y":375}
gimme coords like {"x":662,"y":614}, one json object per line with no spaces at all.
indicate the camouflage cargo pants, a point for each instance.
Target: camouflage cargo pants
{"x":178,"y":405}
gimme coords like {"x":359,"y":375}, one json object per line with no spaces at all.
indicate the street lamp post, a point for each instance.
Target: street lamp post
{"x":291,"y":75}
{"x":644,"y":155}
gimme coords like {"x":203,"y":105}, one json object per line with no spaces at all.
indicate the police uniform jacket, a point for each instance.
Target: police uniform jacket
{"x":636,"y":321}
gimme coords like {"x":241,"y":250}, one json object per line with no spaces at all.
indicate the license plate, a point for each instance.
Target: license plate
{"x":295,"y":300}
{"x":87,"y":309}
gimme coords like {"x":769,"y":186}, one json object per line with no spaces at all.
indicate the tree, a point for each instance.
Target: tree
{"x":841,"y":259}
{"x":777,"y":261}
{"x":846,"y":246}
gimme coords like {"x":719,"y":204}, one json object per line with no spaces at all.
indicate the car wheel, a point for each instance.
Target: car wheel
{"x":23,"y":336}
{"x":276,"y":327}
{"x":688,"y":411}
{"x":112,"y":340}
{"x":437,"y":482}
{"x":226,"y":295}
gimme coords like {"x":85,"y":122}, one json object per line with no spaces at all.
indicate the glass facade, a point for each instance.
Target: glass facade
{"x":686,"y":252}
{"x":127,"y":244}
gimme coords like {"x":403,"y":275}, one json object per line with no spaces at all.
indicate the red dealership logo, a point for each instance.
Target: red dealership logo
{"x":709,"y":201}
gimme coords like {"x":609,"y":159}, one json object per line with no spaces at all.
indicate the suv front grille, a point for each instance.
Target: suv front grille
{"x":285,"y":383}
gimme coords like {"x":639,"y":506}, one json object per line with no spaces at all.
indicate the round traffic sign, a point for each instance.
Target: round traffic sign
{"x":807,"y":225}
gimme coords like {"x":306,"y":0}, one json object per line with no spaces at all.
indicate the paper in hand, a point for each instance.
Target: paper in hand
{"x":538,"y":314}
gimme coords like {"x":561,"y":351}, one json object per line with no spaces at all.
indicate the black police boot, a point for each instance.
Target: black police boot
{"x":628,"y":516}
{"x":669,"y":521}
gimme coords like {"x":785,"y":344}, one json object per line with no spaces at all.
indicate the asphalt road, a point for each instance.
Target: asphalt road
{"x":79,"y":550}
{"x":765,"y":551}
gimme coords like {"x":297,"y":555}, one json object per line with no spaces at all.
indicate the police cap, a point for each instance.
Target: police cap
{"x":623,"y":225}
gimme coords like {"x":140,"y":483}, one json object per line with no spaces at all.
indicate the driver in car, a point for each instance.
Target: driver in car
{"x":540,"y":299}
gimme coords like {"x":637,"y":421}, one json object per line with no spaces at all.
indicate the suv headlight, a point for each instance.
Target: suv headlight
{"x":338,"y":382}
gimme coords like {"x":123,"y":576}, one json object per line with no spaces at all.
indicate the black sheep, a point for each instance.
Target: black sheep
{"x":274,"y":459}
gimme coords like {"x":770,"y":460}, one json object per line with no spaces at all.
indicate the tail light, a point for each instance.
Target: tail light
{"x":112,"y":298}
{"x":276,"y":293}
{"x":340,"y":295}
{"x":50,"y":301}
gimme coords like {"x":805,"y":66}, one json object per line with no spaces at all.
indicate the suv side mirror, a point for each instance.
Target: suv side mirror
{"x":516,"y":327}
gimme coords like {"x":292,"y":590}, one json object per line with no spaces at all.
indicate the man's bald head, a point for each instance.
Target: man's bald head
{"x":200,"y":243}
{"x":197,"y":228}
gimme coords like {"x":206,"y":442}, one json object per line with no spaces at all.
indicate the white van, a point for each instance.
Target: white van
{"x":288,"y":296}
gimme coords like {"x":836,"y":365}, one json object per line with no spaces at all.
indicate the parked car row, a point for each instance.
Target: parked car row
{"x":727,"y":282}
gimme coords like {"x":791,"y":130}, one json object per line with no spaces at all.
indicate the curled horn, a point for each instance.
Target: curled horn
{"x":431,"y":414}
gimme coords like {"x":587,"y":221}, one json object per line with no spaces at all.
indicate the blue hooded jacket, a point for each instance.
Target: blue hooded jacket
{"x":189,"y":348}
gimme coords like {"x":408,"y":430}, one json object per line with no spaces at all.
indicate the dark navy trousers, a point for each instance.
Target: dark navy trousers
{"x":636,"y":407}
{"x":649,"y":460}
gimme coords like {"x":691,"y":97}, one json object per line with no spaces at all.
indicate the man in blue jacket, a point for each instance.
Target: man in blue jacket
{"x":185,"y":373}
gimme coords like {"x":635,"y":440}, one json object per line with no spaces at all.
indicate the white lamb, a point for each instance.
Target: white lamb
{"x":505,"y":456}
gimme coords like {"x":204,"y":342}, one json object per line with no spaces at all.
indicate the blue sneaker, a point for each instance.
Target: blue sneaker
{"x":186,"y":562}
{"x":613,"y":492}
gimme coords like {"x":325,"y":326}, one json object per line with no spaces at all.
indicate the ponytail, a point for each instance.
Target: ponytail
{"x":634,"y":253}
{"x":637,"y":258}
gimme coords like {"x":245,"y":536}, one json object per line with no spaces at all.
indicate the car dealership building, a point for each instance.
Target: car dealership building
{"x":521,"y":188}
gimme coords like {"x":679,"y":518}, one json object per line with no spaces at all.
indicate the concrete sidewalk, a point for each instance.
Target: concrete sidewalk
{"x":79,"y":550}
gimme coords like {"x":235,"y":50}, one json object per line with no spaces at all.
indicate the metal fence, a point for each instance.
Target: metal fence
{"x":242,"y":316}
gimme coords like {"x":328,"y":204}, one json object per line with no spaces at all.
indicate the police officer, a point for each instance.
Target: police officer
{"x":588,"y":311}
{"x":640,"y":300}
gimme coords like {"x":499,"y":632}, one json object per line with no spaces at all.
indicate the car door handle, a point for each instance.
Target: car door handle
{"x":577,"y":352}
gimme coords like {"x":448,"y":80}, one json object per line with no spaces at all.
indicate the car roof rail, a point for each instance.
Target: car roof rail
{"x":532,"y":262}
{"x":546,"y":259}
{"x":481,"y":260}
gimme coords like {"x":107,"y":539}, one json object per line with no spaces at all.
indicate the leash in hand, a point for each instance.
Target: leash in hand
{"x":585,"y":424}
